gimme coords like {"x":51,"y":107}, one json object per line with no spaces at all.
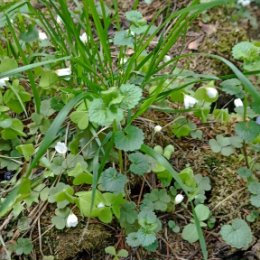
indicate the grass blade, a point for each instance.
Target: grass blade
{"x":53,"y":130}
{"x":31,"y":66}
{"x":161,"y":160}
{"x":245,"y":81}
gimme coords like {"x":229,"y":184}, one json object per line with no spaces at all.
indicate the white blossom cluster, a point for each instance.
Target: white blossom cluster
{"x":244,"y":2}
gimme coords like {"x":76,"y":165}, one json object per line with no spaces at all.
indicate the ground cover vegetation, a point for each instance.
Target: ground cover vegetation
{"x":96,"y":104}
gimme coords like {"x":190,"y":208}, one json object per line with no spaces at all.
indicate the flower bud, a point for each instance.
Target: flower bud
{"x":100,"y":205}
{"x":72,"y":220}
{"x":157,"y":128}
{"x":178,"y":199}
{"x":167,"y":58}
{"x":42,"y":36}
{"x":61,"y":148}
{"x":189,"y":101}
{"x":3,"y":81}
{"x":59,"y":20}
{"x":63,"y":72}
{"x":238,"y":102}
{"x":84,"y":37}
{"x":212,"y":92}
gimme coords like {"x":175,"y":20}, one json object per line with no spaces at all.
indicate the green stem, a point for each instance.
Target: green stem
{"x":244,"y":143}
{"x":119,"y":152}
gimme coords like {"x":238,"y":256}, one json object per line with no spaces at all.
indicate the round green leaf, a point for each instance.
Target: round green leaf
{"x":238,"y":234}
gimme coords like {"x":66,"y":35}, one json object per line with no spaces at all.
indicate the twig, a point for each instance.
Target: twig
{"x":6,"y":221}
{"x":140,"y":194}
{"x":245,"y":155}
{"x":227,"y":198}
{"x":40,"y":236}
{"x":5,"y":249}
{"x":46,"y":231}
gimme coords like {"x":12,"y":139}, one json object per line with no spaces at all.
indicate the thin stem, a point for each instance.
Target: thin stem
{"x":244,"y":148}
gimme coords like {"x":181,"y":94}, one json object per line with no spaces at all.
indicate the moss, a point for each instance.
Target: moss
{"x":69,"y":245}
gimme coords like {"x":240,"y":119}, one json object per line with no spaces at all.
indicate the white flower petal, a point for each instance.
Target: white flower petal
{"x":63,"y":72}
{"x":3,"y":81}
{"x":189,"y":101}
{"x":157,"y":128}
{"x":59,"y":20}
{"x":61,"y":148}
{"x":84,"y":37}
{"x":100,"y":205}
{"x":42,"y":36}
{"x":238,"y":102}
{"x":167,"y":58}
{"x":212,"y":92}
{"x":72,"y":220}
{"x":244,"y":2}
{"x":178,"y":199}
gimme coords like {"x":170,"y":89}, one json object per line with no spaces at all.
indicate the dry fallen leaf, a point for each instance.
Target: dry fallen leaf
{"x":194,"y":45}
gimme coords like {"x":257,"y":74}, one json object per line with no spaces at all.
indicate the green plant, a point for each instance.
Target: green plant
{"x":225,"y":145}
{"x":190,"y":232}
{"x":23,"y":246}
{"x":238,"y":234}
{"x":87,"y":99}
{"x":122,"y":253}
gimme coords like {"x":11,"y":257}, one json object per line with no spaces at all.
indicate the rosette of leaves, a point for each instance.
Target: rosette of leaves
{"x":248,"y":52}
{"x":102,"y":205}
{"x":156,"y":200}
{"x":225,"y":145}
{"x":110,"y":106}
{"x":145,"y":236}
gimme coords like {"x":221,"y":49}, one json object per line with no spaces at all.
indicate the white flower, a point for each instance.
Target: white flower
{"x":63,"y":72}
{"x":72,"y":220}
{"x":238,"y":102}
{"x":157,"y":128}
{"x":42,"y":36}
{"x":167,"y":58}
{"x":178,"y":199}
{"x":212,"y":92}
{"x":3,"y":81}
{"x":132,"y":33}
{"x":84,"y":37}
{"x":123,"y":60}
{"x":189,"y":101}
{"x":244,"y":2}
{"x":61,"y":148}
{"x":258,"y":120}
{"x":100,"y":205}
{"x":58,"y":19}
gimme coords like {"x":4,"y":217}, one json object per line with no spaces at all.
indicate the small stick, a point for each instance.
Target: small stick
{"x":5,"y":249}
{"x":40,"y":236}
{"x":140,"y":194}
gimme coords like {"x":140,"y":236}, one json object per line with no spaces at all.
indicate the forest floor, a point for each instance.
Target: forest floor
{"x":215,"y":32}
